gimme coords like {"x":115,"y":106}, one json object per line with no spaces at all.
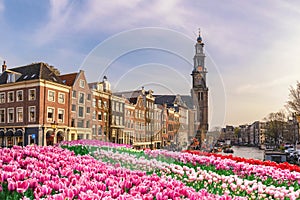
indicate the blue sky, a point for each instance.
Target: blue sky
{"x":252,"y":47}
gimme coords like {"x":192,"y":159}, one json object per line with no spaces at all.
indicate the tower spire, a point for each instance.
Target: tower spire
{"x":199,"y":39}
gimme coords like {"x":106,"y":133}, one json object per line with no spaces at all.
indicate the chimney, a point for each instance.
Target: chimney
{"x":4,"y":66}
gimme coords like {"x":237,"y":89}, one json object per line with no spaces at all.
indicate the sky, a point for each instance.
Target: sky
{"x":251,"y":47}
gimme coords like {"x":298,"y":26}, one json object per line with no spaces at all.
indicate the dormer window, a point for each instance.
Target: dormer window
{"x":11,"y":78}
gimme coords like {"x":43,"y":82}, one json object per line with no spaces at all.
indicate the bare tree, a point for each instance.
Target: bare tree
{"x":293,"y":104}
{"x":276,"y":123}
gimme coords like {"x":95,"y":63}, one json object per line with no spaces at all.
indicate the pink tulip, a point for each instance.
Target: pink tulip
{"x":11,"y":184}
{"x":22,"y":186}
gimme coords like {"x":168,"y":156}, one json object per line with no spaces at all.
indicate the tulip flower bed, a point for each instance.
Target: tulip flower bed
{"x":36,"y":172}
{"x":217,"y":175}
{"x":101,"y":170}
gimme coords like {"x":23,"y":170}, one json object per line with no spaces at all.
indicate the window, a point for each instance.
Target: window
{"x":99,"y":103}
{"x":117,"y":107}
{"x":74,"y":94}
{"x":2,"y":115}
{"x":117,"y":120}
{"x":61,"y":97}
{"x":121,"y":107}
{"x":99,"y":116}
{"x":104,"y":104}
{"x":88,"y":110}
{"x":94,"y":129}
{"x":11,"y":78}
{"x":31,"y":95}
{"x":20,"y":95}
{"x":51,"y":95}
{"x":73,"y":107}
{"x":80,"y":111}
{"x":81,"y":83}
{"x":94,"y":103}
{"x":10,"y":115}
{"x":19,"y":114}
{"x":50,"y":115}
{"x":61,"y":113}
{"x":113,"y":106}
{"x":87,"y":124}
{"x":100,"y":130}
{"x":81,"y":98}
{"x":10,"y":97}
{"x":89,"y":97}
{"x":94,"y":115}
{"x":72,"y":122}
{"x":2,"y":97}
{"x":80,"y":123}
{"x":105,"y":117}
{"x":121,"y":120}
{"x":31,"y":113}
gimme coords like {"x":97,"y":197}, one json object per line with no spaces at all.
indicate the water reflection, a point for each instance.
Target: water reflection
{"x":247,"y":152}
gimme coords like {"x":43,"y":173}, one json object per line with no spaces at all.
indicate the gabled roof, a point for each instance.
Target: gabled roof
{"x":69,"y":79}
{"x":30,"y":72}
{"x":188,"y":101}
{"x":129,"y":94}
{"x":165,"y":99}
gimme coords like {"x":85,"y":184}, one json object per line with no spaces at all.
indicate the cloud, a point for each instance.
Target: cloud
{"x":58,"y":16}
{"x":2,"y":6}
{"x":97,"y":17}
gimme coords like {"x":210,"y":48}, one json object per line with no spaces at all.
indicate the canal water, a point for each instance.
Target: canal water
{"x":247,"y":152}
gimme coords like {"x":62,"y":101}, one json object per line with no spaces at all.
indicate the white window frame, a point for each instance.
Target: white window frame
{"x":2,"y":100}
{"x":51,"y":91}
{"x":12,"y":92}
{"x":94,"y":115}
{"x":17,"y":114}
{"x":34,"y":117}
{"x":53,"y":115}
{"x":29,"y":94}
{"x":61,"y":101}
{"x":74,"y":92}
{"x":82,"y":111}
{"x":94,"y":103}
{"x":81,"y":83}
{"x":79,"y":98}
{"x":17,"y":95}
{"x":89,"y":97}
{"x":13,"y":115}
{"x":73,"y":105}
{"x":4,"y":115}
{"x":63,"y":113}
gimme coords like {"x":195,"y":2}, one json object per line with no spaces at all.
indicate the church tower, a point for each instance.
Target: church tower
{"x":200,"y":90}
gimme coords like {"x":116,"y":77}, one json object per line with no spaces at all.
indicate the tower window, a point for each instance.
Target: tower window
{"x":200,"y":96}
